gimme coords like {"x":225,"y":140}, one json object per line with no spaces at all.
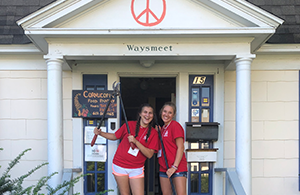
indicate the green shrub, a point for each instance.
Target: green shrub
{"x":14,"y":186}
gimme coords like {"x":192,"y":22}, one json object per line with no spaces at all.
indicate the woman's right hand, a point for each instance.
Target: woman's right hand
{"x":97,"y":131}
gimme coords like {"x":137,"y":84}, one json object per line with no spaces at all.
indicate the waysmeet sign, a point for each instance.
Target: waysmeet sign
{"x":149,"y":48}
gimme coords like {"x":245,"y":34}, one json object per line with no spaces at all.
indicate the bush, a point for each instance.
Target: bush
{"x":14,"y":186}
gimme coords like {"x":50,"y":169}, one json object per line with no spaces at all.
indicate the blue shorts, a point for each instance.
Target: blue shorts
{"x":179,"y":174}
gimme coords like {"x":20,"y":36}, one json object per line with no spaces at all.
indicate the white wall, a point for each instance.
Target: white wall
{"x":275,"y":100}
{"x":23,"y":120}
{"x":23,"y":116}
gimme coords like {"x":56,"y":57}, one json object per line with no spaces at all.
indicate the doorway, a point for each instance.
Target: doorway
{"x":155,"y":91}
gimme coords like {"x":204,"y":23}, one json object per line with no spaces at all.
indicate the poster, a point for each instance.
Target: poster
{"x":92,"y":104}
{"x":89,"y":135}
{"x":97,"y":153}
{"x":195,"y":115}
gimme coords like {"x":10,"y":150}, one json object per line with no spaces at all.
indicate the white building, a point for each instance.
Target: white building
{"x":210,"y":57}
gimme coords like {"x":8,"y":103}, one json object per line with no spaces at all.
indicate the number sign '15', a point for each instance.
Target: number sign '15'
{"x":92,"y":103}
{"x":199,"y":80}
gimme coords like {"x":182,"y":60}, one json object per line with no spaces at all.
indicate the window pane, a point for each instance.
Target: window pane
{"x":205,"y":115}
{"x":194,"y":145}
{"x":205,"y":92}
{"x":194,"y":166}
{"x":195,"y":115}
{"x":204,"y":166}
{"x":90,"y":166}
{"x":90,"y":87}
{"x":89,"y":122}
{"x":194,"y":182}
{"x":204,"y":145}
{"x":101,"y":166}
{"x":195,"y":97}
{"x":99,"y":87}
{"x":205,"y":96}
{"x":204,"y":183}
{"x":100,"y":182}
{"x":90,"y":182}
{"x":102,"y":124}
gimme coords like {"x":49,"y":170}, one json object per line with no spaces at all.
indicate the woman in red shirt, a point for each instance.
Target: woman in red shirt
{"x":128,"y":163}
{"x":173,"y":140}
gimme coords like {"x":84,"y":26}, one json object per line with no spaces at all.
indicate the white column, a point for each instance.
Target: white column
{"x":77,"y":124}
{"x":182,"y":98}
{"x":112,"y":76}
{"x":55,"y":120}
{"x":243,"y":121}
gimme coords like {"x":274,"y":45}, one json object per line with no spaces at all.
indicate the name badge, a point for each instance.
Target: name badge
{"x":133,"y":152}
{"x":159,"y":153}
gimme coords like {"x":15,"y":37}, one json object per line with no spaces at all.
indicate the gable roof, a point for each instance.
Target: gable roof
{"x":13,"y":10}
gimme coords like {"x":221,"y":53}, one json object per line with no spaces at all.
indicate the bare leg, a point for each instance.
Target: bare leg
{"x":180,"y":185}
{"x":123,"y":184}
{"x":165,"y":186}
{"x":137,"y":186}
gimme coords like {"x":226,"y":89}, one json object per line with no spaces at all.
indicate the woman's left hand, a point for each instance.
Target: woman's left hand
{"x":131,"y":139}
{"x":170,"y":172}
{"x":157,"y":128}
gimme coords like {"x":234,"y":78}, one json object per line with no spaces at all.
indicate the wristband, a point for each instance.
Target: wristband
{"x":173,"y":166}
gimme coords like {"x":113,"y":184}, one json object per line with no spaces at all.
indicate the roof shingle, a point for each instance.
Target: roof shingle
{"x":10,"y":12}
{"x":289,"y":11}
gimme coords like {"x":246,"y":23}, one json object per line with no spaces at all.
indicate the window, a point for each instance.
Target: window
{"x":95,"y":180}
{"x":201,"y":107}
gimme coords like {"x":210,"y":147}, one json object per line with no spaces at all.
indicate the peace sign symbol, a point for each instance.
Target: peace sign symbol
{"x":147,"y":13}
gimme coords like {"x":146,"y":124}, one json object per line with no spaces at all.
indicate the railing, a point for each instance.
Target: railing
{"x":232,"y":177}
{"x":67,"y":176}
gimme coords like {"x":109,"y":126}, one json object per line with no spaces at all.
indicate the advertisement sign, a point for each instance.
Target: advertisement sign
{"x":92,"y":104}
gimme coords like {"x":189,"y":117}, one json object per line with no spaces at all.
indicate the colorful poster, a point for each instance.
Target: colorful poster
{"x":195,"y":115}
{"x":92,"y":104}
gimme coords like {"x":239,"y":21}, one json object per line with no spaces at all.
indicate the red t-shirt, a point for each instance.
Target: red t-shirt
{"x":122,"y":158}
{"x":169,"y":134}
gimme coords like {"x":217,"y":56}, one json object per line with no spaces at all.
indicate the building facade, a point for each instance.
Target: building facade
{"x":212,"y":58}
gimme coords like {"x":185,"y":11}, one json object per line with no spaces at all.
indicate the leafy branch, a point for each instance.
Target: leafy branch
{"x":15,"y":186}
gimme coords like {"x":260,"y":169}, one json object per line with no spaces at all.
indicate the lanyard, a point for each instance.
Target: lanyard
{"x":165,"y":127}
{"x":143,"y":134}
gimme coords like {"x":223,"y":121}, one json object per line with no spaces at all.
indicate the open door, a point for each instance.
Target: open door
{"x":155,"y":91}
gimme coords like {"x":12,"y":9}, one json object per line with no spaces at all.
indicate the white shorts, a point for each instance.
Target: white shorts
{"x":131,"y":173}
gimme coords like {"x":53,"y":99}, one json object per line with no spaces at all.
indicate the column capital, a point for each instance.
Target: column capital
{"x":247,"y":57}
{"x":58,"y":58}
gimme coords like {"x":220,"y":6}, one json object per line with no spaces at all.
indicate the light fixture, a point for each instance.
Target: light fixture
{"x":147,"y":63}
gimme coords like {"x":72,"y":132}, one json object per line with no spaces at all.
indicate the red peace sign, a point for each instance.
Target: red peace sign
{"x":147,"y":12}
